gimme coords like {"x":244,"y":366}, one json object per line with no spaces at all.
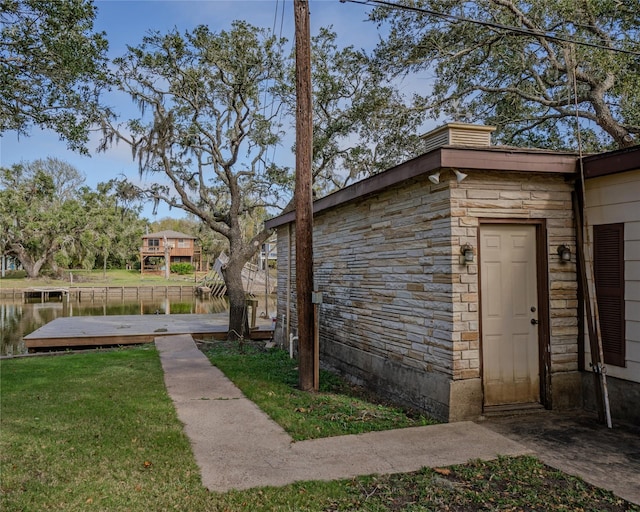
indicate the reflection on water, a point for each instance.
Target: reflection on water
{"x":17,"y":319}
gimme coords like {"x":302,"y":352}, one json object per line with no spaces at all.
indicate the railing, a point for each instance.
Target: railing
{"x":250,"y":274}
{"x":174,"y":250}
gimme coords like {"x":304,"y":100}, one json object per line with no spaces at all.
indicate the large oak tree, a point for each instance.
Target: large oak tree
{"x":521,"y":66}
{"x":53,"y":67}
{"x":50,"y":220}
{"x":38,"y":211}
{"x":362,"y":124}
{"x":204,"y":130}
{"x":214,"y":106}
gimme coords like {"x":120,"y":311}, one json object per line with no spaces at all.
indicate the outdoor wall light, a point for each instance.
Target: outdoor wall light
{"x":459,"y":175}
{"x":466,"y":254}
{"x":564,"y":252}
{"x":435,"y":177}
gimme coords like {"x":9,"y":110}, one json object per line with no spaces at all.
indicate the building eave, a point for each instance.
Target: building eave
{"x":612,"y":162}
{"x":169,"y":234}
{"x":500,"y":159}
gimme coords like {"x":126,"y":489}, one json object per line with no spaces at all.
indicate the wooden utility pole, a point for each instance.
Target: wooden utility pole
{"x":303,"y":198}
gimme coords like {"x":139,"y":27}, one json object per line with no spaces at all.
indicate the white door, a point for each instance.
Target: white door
{"x":509,"y":301}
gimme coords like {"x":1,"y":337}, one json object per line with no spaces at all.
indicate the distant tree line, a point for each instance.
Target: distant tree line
{"x":52,"y":221}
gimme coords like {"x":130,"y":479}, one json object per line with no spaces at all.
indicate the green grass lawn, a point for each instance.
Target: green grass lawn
{"x":94,"y":429}
{"x":115,"y":277}
{"x":270,"y":378}
{"x":97,"y":431}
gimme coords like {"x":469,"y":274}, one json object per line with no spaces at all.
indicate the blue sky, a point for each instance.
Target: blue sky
{"x":127,"y":21}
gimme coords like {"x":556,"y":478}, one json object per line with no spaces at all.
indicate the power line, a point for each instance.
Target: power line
{"x":266,"y":100}
{"x":490,"y":24}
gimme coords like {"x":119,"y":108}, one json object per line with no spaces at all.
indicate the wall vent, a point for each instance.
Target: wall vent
{"x":458,"y":134}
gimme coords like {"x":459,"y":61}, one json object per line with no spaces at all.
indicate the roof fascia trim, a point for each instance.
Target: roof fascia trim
{"x":512,"y":159}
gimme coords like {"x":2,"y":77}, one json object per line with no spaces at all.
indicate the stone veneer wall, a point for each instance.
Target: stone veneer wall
{"x":287,"y":317}
{"x":497,"y":195}
{"x":399,"y":312}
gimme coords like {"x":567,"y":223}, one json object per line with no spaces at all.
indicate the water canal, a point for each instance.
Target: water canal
{"x":19,"y":318}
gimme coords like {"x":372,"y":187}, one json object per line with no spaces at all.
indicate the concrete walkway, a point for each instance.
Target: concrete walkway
{"x":237,"y":446}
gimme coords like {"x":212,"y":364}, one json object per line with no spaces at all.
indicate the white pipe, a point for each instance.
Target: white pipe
{"x":287,"y":326}
{"x":292,"y":338}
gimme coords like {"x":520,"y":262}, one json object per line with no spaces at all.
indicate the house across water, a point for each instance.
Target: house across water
{"x":168,"y":247}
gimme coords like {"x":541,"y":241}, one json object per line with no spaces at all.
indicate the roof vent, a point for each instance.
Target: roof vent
{"x":458,"y":134}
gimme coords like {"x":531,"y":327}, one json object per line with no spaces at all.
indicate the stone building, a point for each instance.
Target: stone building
{"x":444,"y":281}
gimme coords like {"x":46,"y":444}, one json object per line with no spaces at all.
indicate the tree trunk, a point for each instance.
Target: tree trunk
{"x":238,"y":324}
{"x":607,"y":121}
{"x":31,"y":266}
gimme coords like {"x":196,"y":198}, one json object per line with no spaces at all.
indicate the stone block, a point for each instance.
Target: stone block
{"x":624,"y":397}
{"x":566,"y":390}
{"x":418,"y":388}
{"x":465,"y":402}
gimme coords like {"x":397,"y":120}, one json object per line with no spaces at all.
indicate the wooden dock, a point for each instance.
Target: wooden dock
{"x":99,"y":331}
{"x":90,"y":293}
{"x":46,"y":293}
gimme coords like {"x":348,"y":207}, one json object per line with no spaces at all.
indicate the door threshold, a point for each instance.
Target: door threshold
{"x":512,"y":409}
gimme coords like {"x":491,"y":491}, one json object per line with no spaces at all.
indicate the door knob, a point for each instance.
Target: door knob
{"x":534,"y":321}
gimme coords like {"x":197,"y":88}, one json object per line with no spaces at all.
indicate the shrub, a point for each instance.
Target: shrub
{"x":15,"y":274}
{"x":182,"y":268}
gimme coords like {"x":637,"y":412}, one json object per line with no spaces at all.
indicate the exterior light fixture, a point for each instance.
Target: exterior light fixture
{"x":466,"y":254}
{"x":459,"y":175}
{"x":564,"y":253}
{"x":435,"y":178}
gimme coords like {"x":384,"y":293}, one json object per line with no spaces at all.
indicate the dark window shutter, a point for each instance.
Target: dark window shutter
{"x":608,"y":259}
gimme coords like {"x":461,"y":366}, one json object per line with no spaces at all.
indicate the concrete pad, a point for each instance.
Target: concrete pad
{"x":577,"y":444}
{"x":237,"y":446}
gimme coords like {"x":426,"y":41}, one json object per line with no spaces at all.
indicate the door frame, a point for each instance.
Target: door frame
{"x":542,"y":283}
